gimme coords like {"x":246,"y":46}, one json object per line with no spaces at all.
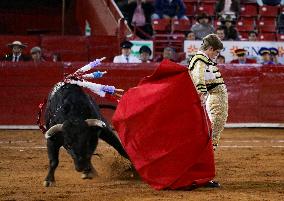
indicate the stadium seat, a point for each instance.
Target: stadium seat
{"x":268,"y":11}
{"x":208,"y":8}
{"x":190,"y":9}
{"x":243,"y":35}
{"x":267,"y":27}
{"x":280,"y":37}
{"x":180,"y":25}
{"x":267,"y":36}
{"x":246,"y":24}
{"x":249,"y":10}
{"x":161,"y":25}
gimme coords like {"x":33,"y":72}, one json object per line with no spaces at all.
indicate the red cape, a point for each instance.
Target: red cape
{"x":165,"y":130}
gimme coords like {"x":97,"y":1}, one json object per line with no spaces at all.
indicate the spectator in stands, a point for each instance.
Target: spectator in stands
{"x":126,"y":56}
{"x":56,"y":57}
{"x":231,"y":32}
{"x":138,"y":14}
{"x":265,"y":56}
{"x":270,"y":2}
{"x":242,"y":58}
{"x":280,"y":23}
{"x":228,"y":7}
{"x":36,"y":54}
{"x":220,"y":32}
{"x":202,"y":27}
{"x":169,"y":9}
{"x":220,"y":59}
{"x":16,"y":54}
{"x":189,"y":35}
{"x":145,"y":54}
{"x":168,"y":53}
{"x":252,"y":36}
{"x":274,"y":55}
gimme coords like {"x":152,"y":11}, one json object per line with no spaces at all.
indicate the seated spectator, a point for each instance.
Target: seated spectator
{"x":231,"y":7}
{"x":126,"y":56}
{"x":252,"y":36}
{"x":242,"y":57}
{"x":145,"y":54}
{"x":138,"y":15}
{"x":16,"y":54}
{"x":56,"y":57}
{"x":220,"y":59}
{"x":189,"y":35}
{"x":202,"y":27}
{"x":220,"y":32}
{"x":274,"y":55}
{"x":280,"y":23}
{"x":231,"y":32}
{"x":169,"y":9}
{"x":265,"y":56}
{"x":168,"y":53}
{"x":36,"y":54}
{"x":270,"y":2}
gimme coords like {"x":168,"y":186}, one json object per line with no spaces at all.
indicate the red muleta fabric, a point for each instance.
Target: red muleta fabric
{"x":165,"y":130}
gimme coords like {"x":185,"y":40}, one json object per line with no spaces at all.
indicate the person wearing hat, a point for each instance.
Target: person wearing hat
{"x":231,"y":32}
{"x":36,"y":54}
{"x":210,"y":86}
{"x":145,"y":53}
{"x":242,"y":58}
{"x":202,"y":27}
{"x":265,"y":56}
{"x":274,"y":55}
{"x":16,"y":55}
{"x":126,"y":56}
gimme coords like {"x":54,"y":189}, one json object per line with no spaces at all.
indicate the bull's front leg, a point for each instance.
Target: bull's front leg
{"x":53,"y":155}
{"x":90,"y":173}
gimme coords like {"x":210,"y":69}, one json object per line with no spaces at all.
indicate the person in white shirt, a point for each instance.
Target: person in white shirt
{"x":126,"y":56}
{"x":16,"y":55}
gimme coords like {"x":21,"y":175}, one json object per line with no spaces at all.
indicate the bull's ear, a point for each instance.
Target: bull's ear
{"x":95,"y":122}
{"x":52,"y":130}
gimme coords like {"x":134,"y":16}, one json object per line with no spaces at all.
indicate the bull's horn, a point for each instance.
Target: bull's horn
{"x":52,"y":130}
{"x":95,"y":122}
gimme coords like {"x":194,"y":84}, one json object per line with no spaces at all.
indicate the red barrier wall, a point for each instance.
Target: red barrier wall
{"x":256,"y":94}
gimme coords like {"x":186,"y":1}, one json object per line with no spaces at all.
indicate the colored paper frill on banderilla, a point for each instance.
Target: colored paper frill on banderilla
{"x":165,"y":130}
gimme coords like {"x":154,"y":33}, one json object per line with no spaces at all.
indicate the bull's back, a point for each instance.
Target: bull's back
{"x":68,"y":101}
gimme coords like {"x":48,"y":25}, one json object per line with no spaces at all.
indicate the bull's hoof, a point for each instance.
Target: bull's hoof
{"x":48,"y":183}
{"x":89,"y":175}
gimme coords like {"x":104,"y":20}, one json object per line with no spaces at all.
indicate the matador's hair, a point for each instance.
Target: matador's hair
{"x":211,"y":40}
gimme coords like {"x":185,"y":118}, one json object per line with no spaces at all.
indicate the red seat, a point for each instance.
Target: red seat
{"x":190,"y":9}
{"x":246,"y":24}
{"x":208,"y":8}
{"x":181,"y":25}
{"x":267,"y":36}
{"x":243,"y":35}
{"x":161,"y":25}
{"x":249,"y":10}
{"x":268,"y":11}
{"x":280,"y":37}
{"x":266,"y":27}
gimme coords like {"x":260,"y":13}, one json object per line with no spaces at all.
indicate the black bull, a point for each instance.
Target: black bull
{"x":73,"y":121}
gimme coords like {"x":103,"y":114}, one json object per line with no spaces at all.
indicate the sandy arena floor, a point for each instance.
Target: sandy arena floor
{"x":250,"y":166}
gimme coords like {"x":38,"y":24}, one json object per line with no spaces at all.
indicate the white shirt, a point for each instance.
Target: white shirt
{"x":123,"y":59}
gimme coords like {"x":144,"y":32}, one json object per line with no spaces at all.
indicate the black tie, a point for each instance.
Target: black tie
{"x":127,"y":59}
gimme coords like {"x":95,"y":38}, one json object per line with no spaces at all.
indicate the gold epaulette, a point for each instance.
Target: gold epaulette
{"x":199,"y":57}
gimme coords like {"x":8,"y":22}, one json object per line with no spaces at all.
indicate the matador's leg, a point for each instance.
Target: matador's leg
{"x":218,"y":111}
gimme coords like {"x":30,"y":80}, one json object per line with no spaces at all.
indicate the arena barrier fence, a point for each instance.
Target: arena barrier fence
{"x":256,"y":93}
